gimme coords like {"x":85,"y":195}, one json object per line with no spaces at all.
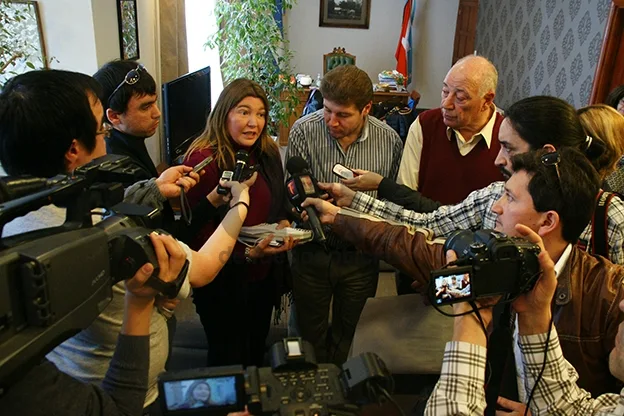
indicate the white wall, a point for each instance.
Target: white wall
{"x":69,"y":35}
{"x":433,"y":31}
{"x":83,"y":35}
{"x":433,"y":41}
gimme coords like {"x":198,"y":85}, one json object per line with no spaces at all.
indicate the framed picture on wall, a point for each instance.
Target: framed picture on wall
{"x":128,"y":29}
{"x":353,"y":14}
{"x":22,"y":48}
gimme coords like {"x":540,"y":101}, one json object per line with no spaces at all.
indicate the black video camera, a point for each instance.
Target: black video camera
{"x":55,"y":281}
{"x":489,"y":263}
{"x":293,"y":385}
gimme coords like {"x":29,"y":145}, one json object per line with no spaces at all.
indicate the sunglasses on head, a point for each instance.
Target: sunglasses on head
{"x":131,"y":78}
{"x":552,"y":159}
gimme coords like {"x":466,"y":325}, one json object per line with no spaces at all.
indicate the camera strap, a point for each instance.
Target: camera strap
{"x":502,"y":369}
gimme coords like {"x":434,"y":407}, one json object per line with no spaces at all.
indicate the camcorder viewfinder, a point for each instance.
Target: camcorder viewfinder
{"x":489,"y":263}
{"x":294,"y":385}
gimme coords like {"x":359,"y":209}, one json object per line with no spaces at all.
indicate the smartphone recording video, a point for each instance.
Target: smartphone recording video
{"x":452,"y":288}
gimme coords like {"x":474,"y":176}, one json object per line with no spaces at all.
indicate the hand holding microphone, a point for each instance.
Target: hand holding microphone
{"x":242,"y":157}
{"x":300,"y":186}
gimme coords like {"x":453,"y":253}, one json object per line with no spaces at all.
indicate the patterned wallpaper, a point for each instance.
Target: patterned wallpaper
{"x":542,"y":47}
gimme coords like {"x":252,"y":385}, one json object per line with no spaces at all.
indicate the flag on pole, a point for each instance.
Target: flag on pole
{"x":403,"y":52}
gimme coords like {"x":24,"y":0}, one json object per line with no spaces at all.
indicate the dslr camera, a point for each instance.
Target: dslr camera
{"x":294,"y":385}
{"x":488,"y":263}
{"x":55,"y":281}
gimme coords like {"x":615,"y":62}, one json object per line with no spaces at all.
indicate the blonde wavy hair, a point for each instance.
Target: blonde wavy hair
{"x":216,"y":135}
{"x":604,"y":123}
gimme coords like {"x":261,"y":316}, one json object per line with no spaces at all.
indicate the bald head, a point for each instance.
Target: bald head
{"x":479,"y":71}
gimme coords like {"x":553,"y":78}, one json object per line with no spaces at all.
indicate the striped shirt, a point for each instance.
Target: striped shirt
{"x":378,"y":149}
{"x":460,"y":388}
{"x":475,"y":213}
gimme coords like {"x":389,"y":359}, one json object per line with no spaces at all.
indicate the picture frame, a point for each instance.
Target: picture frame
{"x":27,"y":47}
{"x":128,"y":29}
{"x":351,"y":14}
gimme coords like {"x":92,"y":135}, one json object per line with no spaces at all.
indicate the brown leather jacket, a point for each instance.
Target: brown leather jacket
{"x":585,"y":308}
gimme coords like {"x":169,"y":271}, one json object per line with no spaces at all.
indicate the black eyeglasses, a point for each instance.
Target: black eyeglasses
{"x":131,"y":78}
{"x":552,"y":159}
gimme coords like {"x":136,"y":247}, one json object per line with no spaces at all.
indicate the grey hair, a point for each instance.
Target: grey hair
{"x":487,"y":75}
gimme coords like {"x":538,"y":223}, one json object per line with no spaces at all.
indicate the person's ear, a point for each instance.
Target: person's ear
{"x":113,"y":117}
{"x":549,"y":148}
{"x":367,"y":108}
{"x":489,"y":99}
{"x":549,"y":222}
{"x":72,"y":156}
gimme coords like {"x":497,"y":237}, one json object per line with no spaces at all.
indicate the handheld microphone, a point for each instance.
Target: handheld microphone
{"x":300,"y":186}
{"x":242,"y":157}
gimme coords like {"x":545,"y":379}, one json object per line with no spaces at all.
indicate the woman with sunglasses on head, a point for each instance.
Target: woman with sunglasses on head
{"x":235,"y":309}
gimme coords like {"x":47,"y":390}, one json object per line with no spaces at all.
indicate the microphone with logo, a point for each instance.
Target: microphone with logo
{"x":242,"y":157}
{"x":300,"y":186}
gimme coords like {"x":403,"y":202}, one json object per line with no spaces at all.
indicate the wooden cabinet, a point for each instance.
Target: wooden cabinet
{"x":304,"y":93}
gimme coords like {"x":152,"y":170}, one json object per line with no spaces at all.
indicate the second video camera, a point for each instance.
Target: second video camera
{"x":489,"y":263}
{"x":294,"y":385}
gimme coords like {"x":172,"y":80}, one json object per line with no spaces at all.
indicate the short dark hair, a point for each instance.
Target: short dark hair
{"x":573,"y":197}
{"x":615,"y":96}
{"x":346,"y":85}
{"x":112,"y":74}
{"x":542,"y":120}
{"x":41,"y":113}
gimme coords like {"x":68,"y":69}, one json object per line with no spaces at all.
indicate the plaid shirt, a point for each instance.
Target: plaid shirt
{"x":475,"y":213}
{"x":460,"y":389}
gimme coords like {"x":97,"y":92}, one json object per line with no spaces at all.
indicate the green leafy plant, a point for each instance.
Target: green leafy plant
{"x":251,"y":46}
{"x":20,"y":47}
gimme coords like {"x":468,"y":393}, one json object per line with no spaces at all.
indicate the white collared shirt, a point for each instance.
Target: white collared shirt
{"x":522,"y":394}
{"x":410,"y":162}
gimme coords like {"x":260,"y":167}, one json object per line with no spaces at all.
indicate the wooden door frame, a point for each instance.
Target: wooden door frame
{"x":612,"y":46}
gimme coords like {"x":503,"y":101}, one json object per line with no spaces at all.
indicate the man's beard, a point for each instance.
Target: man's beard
{"x":506,"y":174}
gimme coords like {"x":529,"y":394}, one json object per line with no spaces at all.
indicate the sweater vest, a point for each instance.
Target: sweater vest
{"x":447,"y":176}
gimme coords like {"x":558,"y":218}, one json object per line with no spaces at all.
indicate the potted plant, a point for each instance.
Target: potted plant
{"x":251,"y":45}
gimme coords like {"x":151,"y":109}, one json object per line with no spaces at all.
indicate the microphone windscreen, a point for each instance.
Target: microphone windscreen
{"x":242,"y":155}
{"x":296,"y":164}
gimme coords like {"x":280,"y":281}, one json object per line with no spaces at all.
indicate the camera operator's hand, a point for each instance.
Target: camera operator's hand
{"x":326,"y":210}
{"x":511,"y":407}
{"x":171,"y":259}
{"x":364,"y":181}
{"x":534,"y":307}
{"x":139,"y":296}
{"x":170,"y":181}
{"x":239,"y":191}
{"x":341,"y":195}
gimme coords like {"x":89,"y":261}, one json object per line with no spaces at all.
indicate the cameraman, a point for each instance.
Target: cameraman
{"x":463,"y":370}
{"x":555,"y":197}
{"x":44,"y":390}
{"x":51,"y":122}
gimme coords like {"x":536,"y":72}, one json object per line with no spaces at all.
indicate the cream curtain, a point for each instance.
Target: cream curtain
{"x":173,"y":45}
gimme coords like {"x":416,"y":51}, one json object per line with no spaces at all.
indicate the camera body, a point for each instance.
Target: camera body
{"x":294,"y":385}
{"x":489,"y":263}
{"x":55,"y":281}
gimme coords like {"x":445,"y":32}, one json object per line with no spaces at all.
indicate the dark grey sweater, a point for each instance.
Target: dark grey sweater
{"x":44,"y":390}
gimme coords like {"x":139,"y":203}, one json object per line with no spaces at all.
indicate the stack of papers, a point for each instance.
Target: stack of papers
{"x":254,"y":234}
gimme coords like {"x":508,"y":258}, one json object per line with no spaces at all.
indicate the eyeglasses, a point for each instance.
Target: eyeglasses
{"x":553,"y":159}
{"x":131,"y":78}
{"x":105,"y":129}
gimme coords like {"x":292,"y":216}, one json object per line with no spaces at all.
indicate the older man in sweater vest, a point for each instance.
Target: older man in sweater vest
{"x":450,"y":151}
